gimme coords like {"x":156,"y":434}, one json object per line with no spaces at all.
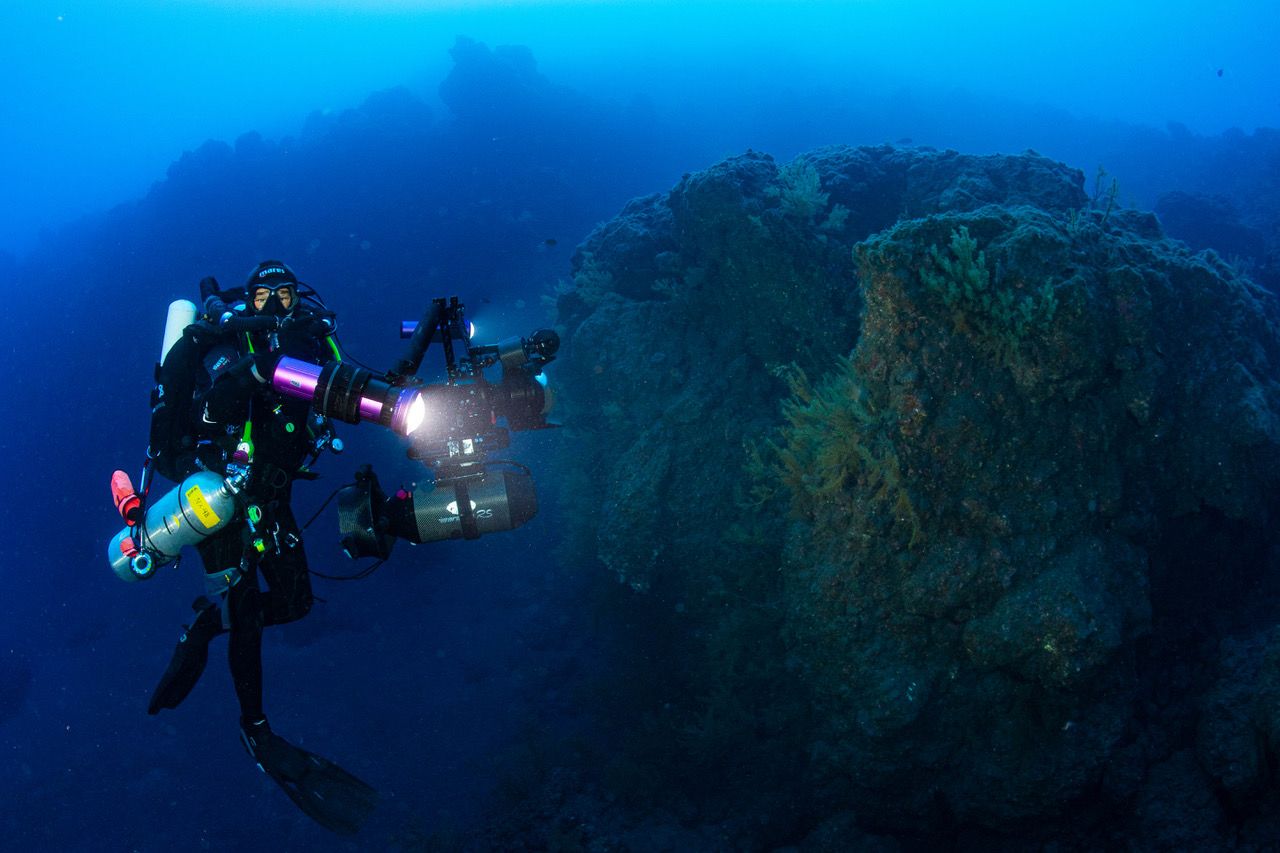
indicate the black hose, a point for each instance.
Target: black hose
{"x":358,"y":576}
{"x":327,"y":501}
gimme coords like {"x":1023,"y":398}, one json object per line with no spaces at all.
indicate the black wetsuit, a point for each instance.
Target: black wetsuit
{"x":209,"y":401}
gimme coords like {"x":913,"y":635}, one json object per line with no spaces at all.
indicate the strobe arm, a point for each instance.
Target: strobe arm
{"x":422,"y":336}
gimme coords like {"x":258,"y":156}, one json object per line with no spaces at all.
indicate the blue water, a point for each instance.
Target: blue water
{"x":454,"y":661}
{"x":98,"y":99}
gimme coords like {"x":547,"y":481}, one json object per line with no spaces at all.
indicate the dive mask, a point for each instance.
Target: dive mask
{"x":278,"y":300}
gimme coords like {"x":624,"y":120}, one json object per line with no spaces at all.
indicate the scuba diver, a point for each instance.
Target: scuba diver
{"x":214,"y":410}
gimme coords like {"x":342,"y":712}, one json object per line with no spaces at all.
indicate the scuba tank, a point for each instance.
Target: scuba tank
{"x":192,"y":511}
{"x":182,"y":313}
{"x":196,"y":509}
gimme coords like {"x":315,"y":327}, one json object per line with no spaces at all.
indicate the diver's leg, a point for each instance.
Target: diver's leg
{"x":288,"y":596}
{"x":189,"y":657}
{"x":192,"y":652}
{"x":325,"y":792}
{"x":244,"y":605}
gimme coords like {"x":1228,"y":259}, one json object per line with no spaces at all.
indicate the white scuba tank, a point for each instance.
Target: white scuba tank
{"x":182,"y":313}
{"x":192,"y":511}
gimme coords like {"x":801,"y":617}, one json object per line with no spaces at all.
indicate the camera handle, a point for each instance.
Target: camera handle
{"x":443,"y":317}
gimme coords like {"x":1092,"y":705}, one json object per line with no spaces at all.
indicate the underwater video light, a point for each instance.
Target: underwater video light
{"x":351,"y":394}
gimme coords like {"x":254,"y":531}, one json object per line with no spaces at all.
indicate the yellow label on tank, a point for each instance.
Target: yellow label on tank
{"x":201,"y":507}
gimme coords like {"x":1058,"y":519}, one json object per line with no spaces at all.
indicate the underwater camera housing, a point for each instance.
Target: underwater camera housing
{"x":453,"y":428}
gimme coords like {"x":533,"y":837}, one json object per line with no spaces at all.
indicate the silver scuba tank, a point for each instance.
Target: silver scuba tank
{"x":192,"y":511}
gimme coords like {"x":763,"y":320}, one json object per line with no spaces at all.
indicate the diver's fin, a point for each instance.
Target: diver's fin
{"x":189,"y":658}
{"x":325,"y":792}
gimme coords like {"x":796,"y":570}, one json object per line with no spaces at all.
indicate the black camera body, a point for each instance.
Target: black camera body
{"x":471,"y":493}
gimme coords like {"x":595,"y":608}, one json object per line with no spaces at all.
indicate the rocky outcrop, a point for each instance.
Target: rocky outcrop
{"x":1033,"y":401}
{"x":983,"y":477}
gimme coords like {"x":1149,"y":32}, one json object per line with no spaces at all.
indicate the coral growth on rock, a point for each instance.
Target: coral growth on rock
{"x":927,"y":435}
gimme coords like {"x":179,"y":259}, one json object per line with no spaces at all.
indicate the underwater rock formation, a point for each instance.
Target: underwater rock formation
{"x":496,"y":86}
{"x":941,"y":513}
{"x":1029,"y":418}
{"x":1220,"y":192}
{"x":686,"y":311}
{"x":1212,"y":222}
{"x":1209,"y":222}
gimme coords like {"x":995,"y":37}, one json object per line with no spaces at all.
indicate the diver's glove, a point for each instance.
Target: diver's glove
{"x":264,"y":365}
{"x":228,"y":320}
{"x":318,"y":325}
